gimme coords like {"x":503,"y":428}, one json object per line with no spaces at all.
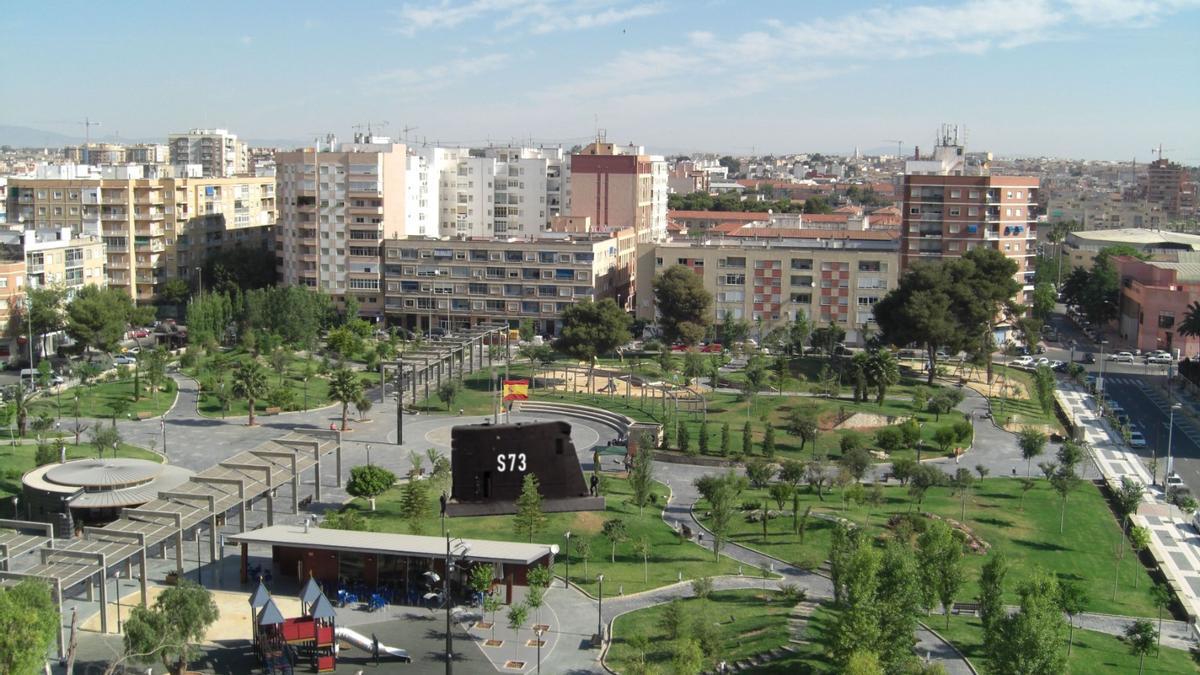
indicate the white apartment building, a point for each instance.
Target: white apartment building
{"x":498,"y":191}
{"x":218,"y":151}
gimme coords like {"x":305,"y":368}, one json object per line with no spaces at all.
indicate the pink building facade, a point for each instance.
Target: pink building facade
{"x":1154,"y":302}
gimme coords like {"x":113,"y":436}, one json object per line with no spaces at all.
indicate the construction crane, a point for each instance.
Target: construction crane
{"x":87,"y":129}
{"x":1159,"y":151}
{"x":899,"y":146}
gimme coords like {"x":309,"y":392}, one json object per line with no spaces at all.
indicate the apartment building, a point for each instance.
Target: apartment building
{"x":1172,"y":187}
{"x":1081,"y":247}
{"x":621,"y":186}
{"x":218,"y":151}
{"x":948,"y":211}
{"x":452,"y":283}
{"x":336,"y":208}
{"x":1155,"y":297}
{"x":494,"y":191}
{"x":12,"y":296}
{"x":141,"y":221}
{"x":834,"y":280}
{"x":58,"y":257}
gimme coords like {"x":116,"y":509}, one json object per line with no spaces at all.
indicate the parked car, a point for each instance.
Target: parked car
{"x":1159,"y":358}
{"x":1023,"y":361}
{"x":139,"y":333}
{"x":1173,"y":480}
{"x":1121,"y":357}
{"x":1137,"y":440}
{"x":124,"y":360}
{"x":1089,"y":357}
{"x":1043,"y":362}
{"x":1059,"y":366}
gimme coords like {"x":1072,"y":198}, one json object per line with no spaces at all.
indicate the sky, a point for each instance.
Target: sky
{"x":1096,"y":79}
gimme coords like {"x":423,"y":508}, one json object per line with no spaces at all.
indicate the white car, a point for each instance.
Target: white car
{"x":1159,"y":358}
{"x":1023,"y":361}
{"x":1043,"y":362}
{"x":1136,"y":439}
{"x":124,"y":360}
{"x":1121,"y":357}
{"x":1173,"y":480}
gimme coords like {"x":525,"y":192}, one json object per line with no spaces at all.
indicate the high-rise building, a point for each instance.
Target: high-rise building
{"x":218,"y":151}
{"x":153,"y":229}
{"x":58,"y":257}
{"x":620,"y":186}
{"x":1171,"y":186}
{"x":948,"y":211}
{"x":336,"y":207}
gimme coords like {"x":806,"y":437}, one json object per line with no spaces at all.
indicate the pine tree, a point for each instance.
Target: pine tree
{"x":529,"y":519}
{"x":747,"y":439}
{"x":704,"y":438}
{"x":684,"y":439}
{"x":414,"y":504}
{"x":725,"y":439}
{"x":768,"y":444}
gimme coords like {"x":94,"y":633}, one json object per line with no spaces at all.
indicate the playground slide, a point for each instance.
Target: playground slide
{"x":364,"y":643}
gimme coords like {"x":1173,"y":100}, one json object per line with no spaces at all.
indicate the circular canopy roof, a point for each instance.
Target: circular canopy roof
{"x":100,"y":473}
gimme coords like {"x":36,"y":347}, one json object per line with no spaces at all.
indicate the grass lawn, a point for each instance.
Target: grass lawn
{"x":669,"y":554}
{"x":214,"y":369}
{"x":1009,"y":410}
{"x":744,"y":625}
{"x":15,"y":461}
{"x":1028,"y":536}
{"x":1092,"y":652}
{"x":96,"y":400}
{"x":474,"y":399}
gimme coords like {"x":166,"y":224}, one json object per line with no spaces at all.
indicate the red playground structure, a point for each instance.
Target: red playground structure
{"x":281,"y":643}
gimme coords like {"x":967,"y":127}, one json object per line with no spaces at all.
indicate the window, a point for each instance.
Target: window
{"x":914,"y":210}
{"x":974,"y":194}
{"x":1166,"y":319}
{"x":973,"y":211}
{"x":955,"y":194}
{"x":955,"y":211}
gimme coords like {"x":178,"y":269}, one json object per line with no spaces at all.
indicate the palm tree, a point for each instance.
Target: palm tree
{"x":882,"y":371}
{"x":250,"y":382}
{"x":1191,"y":321}
{"x":20,"y":407}
{"x":345,"y":388}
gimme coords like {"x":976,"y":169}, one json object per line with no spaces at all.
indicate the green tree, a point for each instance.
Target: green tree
{"x":991,"y":601}
{"x":448,"y":391}
{"x":518,"y":614}
{"x":684,"y":305}
{"x":1139,"y":540}
{"x":945,"y":437}
{"x":882,"y":371}
{"x":491,"y":605}
{"x":172,"y":627}
{"x":943,"y":401}
{"x":1161,"y":596}
{"x":1032,"y":442}
{"x":1141,"y":636}
{"x":1030,"y":641}
{"x":616,"y":532}
{"x":940,"y":555}
{"x":721,"y":493}
{"x":725,"y":439}
{"x":687,"y":656}
{"x":858,"y":623}
{"x":898,"y":603}
{"x":802,"y":422}
{"x":346,"y":388}
{"x":529,"y":519}
{"x":704,"y":437}
{"x":591,"y":329}
{"x":673,"y":620}
{"x":1063,"y":481}
{"x":641,"y":546}
{"x":1044,"y":298}
{"x":369,"y":482}
{"x":747,"y":439}
{"x":1043,"y":384}
{"x":414,"y":504}
{"x":863,"y":662}
{"x":685,"y":439}
{"x":768,"y":444}
{"x":1073,"y":600}
{"x":97,"y":317}
{"x":250,"y":383}
{"x":641,"y":474}
{"x":759,"y":472}
{"x":920,"y":398}
{"x":583,"y":549}
{"x":30,"y":622}
{"x":105,"y":438}
{"x":889,"y":439}
{"x":346,"y":520}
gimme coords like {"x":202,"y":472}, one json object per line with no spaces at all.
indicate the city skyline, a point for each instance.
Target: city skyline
{"x":667,"y":75}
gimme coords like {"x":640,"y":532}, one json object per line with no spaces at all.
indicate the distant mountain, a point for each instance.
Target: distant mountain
{"x":28,"y":137}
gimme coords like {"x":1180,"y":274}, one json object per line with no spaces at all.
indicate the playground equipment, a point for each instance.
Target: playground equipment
{"x":370,"y":645}
{"x":281,"y":642}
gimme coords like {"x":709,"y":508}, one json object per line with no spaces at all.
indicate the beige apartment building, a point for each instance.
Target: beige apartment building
{"x":12,"y":297}
{"x":336,"y":208}
{"x":142,"y":221}
{"x":62,"y":258}
{"x":455,"y":283}
{"x":834,"y":279}
{"x":219,"y":152}
{"x":618,"y":186}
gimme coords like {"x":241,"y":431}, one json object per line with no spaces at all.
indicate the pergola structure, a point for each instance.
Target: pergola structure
{"x":231,"y":485}
{"x":435,"y":359}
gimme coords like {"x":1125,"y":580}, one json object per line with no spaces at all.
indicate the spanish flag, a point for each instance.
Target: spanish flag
{"x":516,"y":390}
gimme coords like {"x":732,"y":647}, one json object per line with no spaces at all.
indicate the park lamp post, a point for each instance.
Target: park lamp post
{"x":567,"y":559}
{"x":199,"y":559}
{"x":118,"y":582}
{"x":1100,"y":380}
{"x":368,"y":454}
{"x":539,"y":631}
{"x":600,"y":610}
{"x":461,"y":551}
{"x":1170,"y":433}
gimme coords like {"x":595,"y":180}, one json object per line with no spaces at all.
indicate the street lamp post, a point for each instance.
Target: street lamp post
{"x":495,"y":397}
{"x":1100,"y":380}
{"x":600,"y":610}
{"x":200,"y":278}
{"x":464,"y":547}
{"x":400,"y":404}
{"x":368,"y":454}
{"x":199,"y":560}
{"x":1170,"y":432}
{"x":118,"y":582}
{"x":539,"y":632}
{"x":566,"y":558}
{"x":162,"y":421}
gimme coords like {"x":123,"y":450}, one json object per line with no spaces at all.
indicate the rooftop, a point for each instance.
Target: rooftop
{"x":383,"y":542}
{"x":1137,"y":236}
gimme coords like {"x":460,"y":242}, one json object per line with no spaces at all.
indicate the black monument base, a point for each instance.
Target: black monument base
{"x":499,"y":508}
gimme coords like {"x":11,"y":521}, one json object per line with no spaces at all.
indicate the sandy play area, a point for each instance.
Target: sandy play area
{"x":233,"y":624}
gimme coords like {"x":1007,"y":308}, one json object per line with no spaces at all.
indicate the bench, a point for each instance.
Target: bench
{"x":144,"y":415}
{"x":272,"y":410}
{"x":971,"y":608}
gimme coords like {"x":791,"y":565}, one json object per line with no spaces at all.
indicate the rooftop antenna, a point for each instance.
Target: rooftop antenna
{"x":405,"y":130}
{"x":1159,"y":150}
{"x":899,"y":146}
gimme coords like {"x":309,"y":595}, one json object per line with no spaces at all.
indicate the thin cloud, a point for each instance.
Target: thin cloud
{"x":534,"y":16}
{"x":437,"y":76}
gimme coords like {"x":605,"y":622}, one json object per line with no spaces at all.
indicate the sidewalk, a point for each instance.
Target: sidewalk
{"x":1173,"y":542}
